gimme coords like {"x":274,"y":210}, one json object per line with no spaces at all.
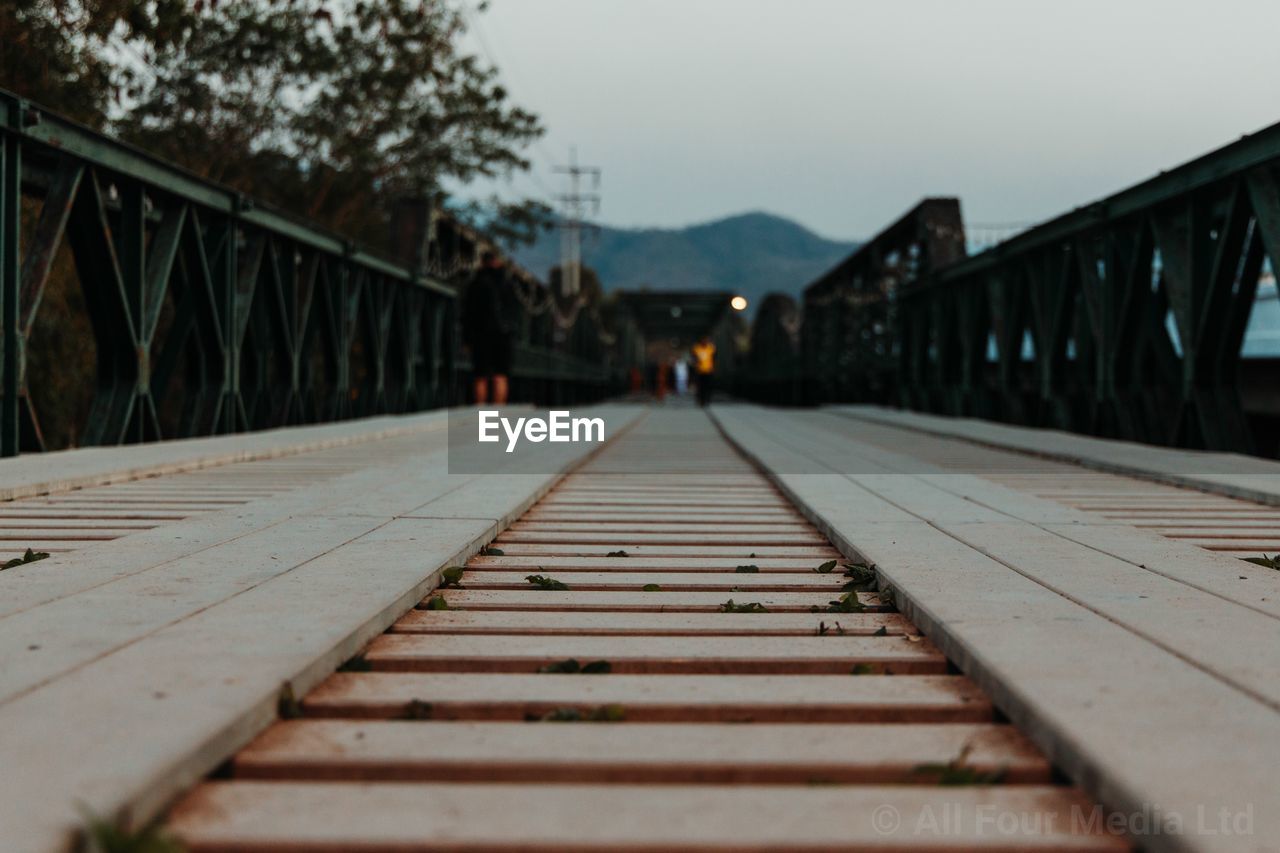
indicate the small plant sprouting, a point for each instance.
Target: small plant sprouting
{"x":451,"y":577}
{"x":490,"y":551}
{"x":882,"y":631}
{"x":357,"y":664}
{"x":847,"y":603}
{"x":862,"y":576}
{"x":1272,"y":562}
{"x":652,"y":587}
{"x":826,"y":568}
{"x":602,"y":714}
{"x":562,"y":715}
{"x":570,"y":666}
{"x":617,"y":554}
{"x":957,"y":772}
{"x":287,"y":705}
{"x":750,"y":607}
{"x":543,"y":582}
{"x":437,"y":603}
{"x":747,"y":570}
{"x":105,"y":837}
{"x":29,"y":557}
{"x":861,"y":669}
{"x":888,"y":600}
{"x":418,"y":710}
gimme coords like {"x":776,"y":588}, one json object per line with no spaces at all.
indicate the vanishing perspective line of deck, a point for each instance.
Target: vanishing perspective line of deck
{"x":720,"y":729}
{"x":1103,"y":611}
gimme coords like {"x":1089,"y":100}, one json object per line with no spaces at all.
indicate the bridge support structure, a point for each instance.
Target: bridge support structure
{"x":1123,"y":318}
{"x":207,"y":313}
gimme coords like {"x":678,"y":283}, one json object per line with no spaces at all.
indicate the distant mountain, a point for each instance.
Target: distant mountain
{"x":752,"y":254}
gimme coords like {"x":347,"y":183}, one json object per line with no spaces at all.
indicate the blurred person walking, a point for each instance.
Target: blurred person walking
{"x":704,"y":366}
{"x":485,"y":331}
{"x":681,"y":371}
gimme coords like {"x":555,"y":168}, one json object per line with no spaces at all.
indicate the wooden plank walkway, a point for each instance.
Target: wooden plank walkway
{"x":130,"y":668}
{"x":1231,"y":474}
{"x":1079,"y":624}
{"x":1145,"y":667}
{"x":782,"y":727}
{"x":1200,"y":498}
{"x":67,"y":521}
{"x":36,"y":474}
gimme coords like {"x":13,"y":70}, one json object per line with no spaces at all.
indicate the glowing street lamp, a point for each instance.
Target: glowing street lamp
{"x":738,"y":303}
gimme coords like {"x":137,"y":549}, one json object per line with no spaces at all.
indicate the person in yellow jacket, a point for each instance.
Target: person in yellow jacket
{"x":704,"y":366}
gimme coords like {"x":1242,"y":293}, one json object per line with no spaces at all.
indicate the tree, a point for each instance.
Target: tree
{"x":330,"y":109}
{"x":64,"y":54}
{"x":508,"y":223}
{"x":333,"y":108}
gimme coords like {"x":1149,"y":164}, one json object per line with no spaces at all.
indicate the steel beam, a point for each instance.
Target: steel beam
{"x":211,"y":313}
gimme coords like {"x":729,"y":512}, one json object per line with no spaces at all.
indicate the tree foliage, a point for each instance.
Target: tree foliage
{"x":67,"y":54}
{"x":330,"y":109}
{"x":506,"y":222}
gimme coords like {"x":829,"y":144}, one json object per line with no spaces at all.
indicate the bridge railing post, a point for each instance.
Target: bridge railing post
{"x":11,"y":354}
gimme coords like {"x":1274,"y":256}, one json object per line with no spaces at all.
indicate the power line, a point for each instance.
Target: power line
{"x":473,"y":24}
{"x":541,"y":184}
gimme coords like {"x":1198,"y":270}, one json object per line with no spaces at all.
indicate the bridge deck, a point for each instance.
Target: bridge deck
{"x":713,"y":739}
{"x":130,"y":668}
{"x":1144,"y":666}
{"x":1107,"y":617}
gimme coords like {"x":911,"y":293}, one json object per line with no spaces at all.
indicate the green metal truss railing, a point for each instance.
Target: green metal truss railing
{"x":1123,"y":318}
{"x":235,"y":316}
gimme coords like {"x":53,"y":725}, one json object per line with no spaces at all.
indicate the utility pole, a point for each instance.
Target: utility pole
{"x":576,"y":205}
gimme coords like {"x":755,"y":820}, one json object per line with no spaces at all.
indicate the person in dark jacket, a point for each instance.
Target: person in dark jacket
{"x":485,"y":331}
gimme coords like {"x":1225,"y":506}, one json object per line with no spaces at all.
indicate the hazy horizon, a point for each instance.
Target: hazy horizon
{"x":842,"y":115}
{"x":715,"y":218}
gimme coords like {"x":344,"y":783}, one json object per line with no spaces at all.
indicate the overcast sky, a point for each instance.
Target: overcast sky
{"x":842,"y":113}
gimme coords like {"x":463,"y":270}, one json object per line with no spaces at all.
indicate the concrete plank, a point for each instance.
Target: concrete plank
{"x":656,"y":753}
{"x":670,"y":602}
{"x":727,"y":580}
{"x":652,"y":624}
{"x":637,"y":563}
{"x":744,"y":551}
{"x":832,"y":654}
{"x":1121,"y":715}
{"x":633,"y":537}
{"x":46,"y":473}
{"x":654,"y":698}
{"x":1229,"y":474}
{"x":393,"y":816}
